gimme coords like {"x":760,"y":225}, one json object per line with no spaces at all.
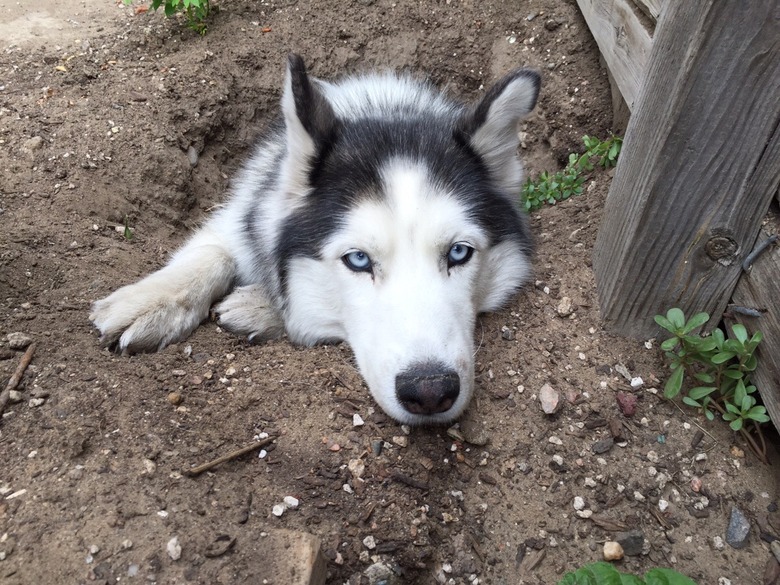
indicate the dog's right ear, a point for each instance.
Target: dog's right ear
{"x":308,"y":116}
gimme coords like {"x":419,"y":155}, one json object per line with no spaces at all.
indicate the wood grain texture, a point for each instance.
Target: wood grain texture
{"x":759,"y":288}
{"x":623,"y":40}
{"x":699,"y":167}
{"x":651,"y":8}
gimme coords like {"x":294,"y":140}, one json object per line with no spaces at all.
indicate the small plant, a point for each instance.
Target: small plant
{"x":551,"y":188}
{"x":196,"y":11}
{"x":721,"y":367}
{"x":128,"y":232}
{"x":602,"y":573}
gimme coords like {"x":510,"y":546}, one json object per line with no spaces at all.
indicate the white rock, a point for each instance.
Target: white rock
{"x":278,"y":510}
{"x":584,"y":513}
{"x":369,"y":542}
{"x":357,"y":420}
{"x":549,"y":399}
{"x":590,"y":482}
{"x":357,"y":467}
{"x":612,"y":551}
{"x":555,"y":440}
{"x":290,"y":502}
{"x":174,"y":548}
{"x":637,"y":382}
{"x":638,"y":496}
{"x":578,"y":503}
{"x":663,"y":505}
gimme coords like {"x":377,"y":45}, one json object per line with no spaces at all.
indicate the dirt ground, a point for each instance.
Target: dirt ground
{"x":102,"y":114}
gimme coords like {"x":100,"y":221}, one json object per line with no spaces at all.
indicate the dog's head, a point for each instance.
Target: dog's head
{"x":404,"y":226}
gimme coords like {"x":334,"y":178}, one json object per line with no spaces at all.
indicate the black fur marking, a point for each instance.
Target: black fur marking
{"x":313,"y":110}
{"x":347,"y":170}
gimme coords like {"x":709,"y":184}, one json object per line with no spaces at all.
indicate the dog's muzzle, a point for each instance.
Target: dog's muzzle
{"x":427,"y":388}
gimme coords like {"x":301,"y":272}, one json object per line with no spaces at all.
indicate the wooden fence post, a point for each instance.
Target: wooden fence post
{"x":699,"y":167}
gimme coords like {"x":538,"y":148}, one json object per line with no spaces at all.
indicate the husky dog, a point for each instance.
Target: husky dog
{"x":377,"y":211}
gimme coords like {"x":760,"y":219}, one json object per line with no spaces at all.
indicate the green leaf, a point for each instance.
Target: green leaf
{"x":664,"y":322}
{"x":676,"y":318}
{"x":732,"y":409}
{"x":740,"y":392}
{"x":710,"y":416}
{"x":701,"y":391}
{"x":757,"y":337}
{"x":733,"y":374}
{"x":706,"y":344}
{"x":669,"y":344}
{"x":674,"y":383}
{"x":691,"y":402}
{"x":722,"y":357}
{"x":697,"y":320}
{"x":740,"y":332}
{"x":736,"y":424}
{"x":746,"y":403}
{"x":661,"y":576}
{"x":704,"y":377}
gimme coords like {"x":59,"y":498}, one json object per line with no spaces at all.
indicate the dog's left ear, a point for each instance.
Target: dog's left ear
{"x":491,"y":125}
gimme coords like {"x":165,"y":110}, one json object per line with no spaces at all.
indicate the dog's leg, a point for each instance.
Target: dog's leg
{"x":247,"y":311}
{"x":169,"y":304}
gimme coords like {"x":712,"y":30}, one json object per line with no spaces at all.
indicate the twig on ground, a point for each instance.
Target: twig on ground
{"x":13,"y":382}
{"x":230,"y":456}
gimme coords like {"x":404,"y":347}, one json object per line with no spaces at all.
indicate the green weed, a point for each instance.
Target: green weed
{"x":602,"y":573}
{"x":551,"y":188}
{"x":720,"y":368}
{"x":196,"y":11}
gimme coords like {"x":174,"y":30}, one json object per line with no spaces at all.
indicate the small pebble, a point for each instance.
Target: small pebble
{"x":290,"y":502}
{"x":401,"y":441}
{"x":175,"y":398}
{"x":612,"y":551}
{"x":738,"y":530}
{"x":35,"y":402}
{"x":357,"y":467}
{"x":549,"y":399}
{"x":637,"y":382}
{"x":579,"y":503}
{"x":565,"y":307}
{"x":278,"y":510}
{"x":174,"y":548}
{"x":626,"y":403}
{"x":369,"y":542}
{"x":18,"y":340}
{"x":357,"y":420}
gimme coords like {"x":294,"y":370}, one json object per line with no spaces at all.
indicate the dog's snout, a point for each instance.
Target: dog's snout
{"x":427,"y":389}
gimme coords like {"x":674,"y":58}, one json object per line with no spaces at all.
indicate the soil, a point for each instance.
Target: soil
{"x":103,"y":110}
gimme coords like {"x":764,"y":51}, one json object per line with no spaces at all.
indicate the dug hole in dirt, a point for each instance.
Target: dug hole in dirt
{"x":119,"y":131}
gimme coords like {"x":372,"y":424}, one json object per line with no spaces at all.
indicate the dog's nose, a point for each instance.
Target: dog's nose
{"x":427,"y":389}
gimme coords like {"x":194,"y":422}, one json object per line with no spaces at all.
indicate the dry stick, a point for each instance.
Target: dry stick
{"x":5,"y":395}
{"x":229,"y":457}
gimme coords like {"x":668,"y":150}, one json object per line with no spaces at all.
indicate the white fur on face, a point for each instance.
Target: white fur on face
{"x":413,"y":309}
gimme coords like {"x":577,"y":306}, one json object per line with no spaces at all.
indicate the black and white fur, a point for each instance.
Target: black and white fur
{"x":379,"y":212}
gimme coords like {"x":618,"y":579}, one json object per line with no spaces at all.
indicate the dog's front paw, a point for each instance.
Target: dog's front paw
{"x":247,"y":311}
{"x":146,"y":316}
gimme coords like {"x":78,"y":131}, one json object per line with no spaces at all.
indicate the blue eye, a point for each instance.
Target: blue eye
{"x":459,"y":253}
{"x":357,"y":261}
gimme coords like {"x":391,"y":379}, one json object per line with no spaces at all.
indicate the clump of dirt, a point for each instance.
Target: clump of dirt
{"x":119,"y":131}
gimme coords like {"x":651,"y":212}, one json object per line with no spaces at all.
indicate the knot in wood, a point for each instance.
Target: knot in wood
{"x":722,"y":249}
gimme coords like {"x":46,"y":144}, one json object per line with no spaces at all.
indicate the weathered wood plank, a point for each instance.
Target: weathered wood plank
{"x":652,"y":8}
{"x":699,"y":167}
{"x":623,"y":41}
{"x":760,"y":288}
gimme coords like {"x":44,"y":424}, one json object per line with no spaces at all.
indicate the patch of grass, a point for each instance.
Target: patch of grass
{"x":602,"y":573}
{"x":551,"y":188}
{"x":719,"y":368}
